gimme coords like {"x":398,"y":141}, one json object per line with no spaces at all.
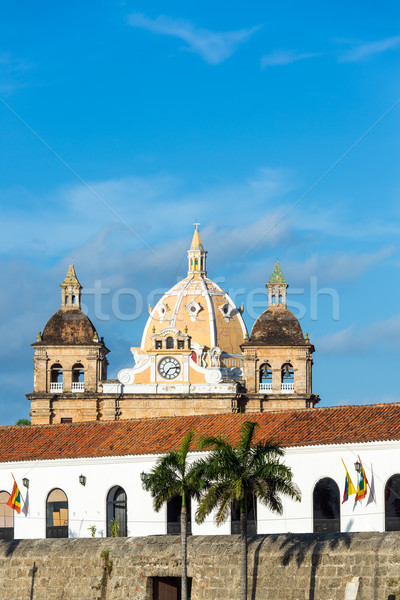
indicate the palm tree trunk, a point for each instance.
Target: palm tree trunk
{"x":184,"y":551}
{"x":243,"y":555}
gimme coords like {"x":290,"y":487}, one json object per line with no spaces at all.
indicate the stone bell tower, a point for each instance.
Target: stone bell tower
{"x":69,"y":362}
{"x":277,"y":356}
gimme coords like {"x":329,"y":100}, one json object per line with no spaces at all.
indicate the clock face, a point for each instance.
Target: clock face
{"x":169,"y":367}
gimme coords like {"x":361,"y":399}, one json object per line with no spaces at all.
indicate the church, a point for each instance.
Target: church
{"x":195,"y":357}
{"x":79,"y":464}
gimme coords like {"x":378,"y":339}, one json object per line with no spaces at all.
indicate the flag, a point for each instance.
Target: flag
{"x":14,"y":500}
{"x":362,"y":484}
{"x":371,"y":483}
{"x":349,"y":488}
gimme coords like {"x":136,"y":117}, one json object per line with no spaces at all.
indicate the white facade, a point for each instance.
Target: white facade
{"x":87,"y":504}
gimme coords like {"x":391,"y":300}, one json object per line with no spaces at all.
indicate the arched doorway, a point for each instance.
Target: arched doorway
{"x":116,"y":512}
{"x":6,"y":518}
{"x":57,"y":514}
{"x":326,"y":506}
{"x":392,"y":503}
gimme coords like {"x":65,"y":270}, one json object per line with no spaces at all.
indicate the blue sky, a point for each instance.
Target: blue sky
{"x":273,"y":125}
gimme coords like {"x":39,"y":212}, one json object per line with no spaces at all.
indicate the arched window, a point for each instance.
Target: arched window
{"x":265,"y":378}
{"x":174,"y":515}
{"x":392,"y":503}
{"x":251,"y":516}
{"x":73,"y":299}
{"x":6,"y":518}
{"x":78,"y":378}
{"x":196,"y":264}
{"x":66,"y":299}
{"x":170,"y":342}
{"x":57,"y":514}
{"x":287,"y":378}
{"x":56,"y":378}
{"x":116,"y":512}
{"x":273,"y":299}
{"x":280,"y":298}
{"x":326,"y":506}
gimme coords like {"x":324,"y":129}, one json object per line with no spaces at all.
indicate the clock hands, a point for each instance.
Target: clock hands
{"x":169,"y":368}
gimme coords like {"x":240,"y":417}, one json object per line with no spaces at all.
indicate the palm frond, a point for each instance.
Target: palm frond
{"x":186,"y":443}
{"x":247,"y":432}
{"x":217,"y":495}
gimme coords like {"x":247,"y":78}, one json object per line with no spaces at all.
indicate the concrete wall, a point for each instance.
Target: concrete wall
{"x":286,"y":567}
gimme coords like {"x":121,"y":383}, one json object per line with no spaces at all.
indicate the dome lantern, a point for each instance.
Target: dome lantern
{"x":70,"y":290}
{"x":277,"y":288}
{"x":197,"y":254}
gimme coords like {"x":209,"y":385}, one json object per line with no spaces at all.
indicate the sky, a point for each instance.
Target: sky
{"x":275,"y":125}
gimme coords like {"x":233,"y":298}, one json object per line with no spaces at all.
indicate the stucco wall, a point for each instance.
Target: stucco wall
{"x":286,"y":567}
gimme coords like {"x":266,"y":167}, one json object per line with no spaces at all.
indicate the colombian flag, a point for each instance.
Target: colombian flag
{"x":14,"y":500}
{"x":362,"y":484}
{"x":349,"y":488}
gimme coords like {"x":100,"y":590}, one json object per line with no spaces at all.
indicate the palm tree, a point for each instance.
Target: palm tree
{"x":233,"y":474}
{"x":174,"y":476}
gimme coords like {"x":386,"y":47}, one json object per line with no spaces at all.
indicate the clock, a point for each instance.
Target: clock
{"x":169,"y":367}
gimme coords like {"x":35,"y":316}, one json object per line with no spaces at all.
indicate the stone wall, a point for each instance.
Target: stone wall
{"x":284,"y":567}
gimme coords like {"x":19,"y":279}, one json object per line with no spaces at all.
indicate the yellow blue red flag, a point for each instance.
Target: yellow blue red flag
{"x":349,"y":488}
{"x":362,"y":484}
{"x":14,"y":500}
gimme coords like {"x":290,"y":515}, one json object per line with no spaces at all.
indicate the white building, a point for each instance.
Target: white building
{"x":85,"y":474}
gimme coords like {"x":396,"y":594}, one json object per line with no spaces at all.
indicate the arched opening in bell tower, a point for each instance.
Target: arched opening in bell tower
{"x":287,"y":378}
{"x":265,"y":382}
{"x":78,"y":378}
{"x":56,"y":378}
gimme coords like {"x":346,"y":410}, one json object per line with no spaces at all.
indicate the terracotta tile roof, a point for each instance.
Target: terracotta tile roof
{"x":336,"y":425}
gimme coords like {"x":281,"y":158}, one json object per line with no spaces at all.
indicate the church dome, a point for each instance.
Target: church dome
{"x":277,"y":327}
{"x":67,"y":327}
{"x":199,"y":307}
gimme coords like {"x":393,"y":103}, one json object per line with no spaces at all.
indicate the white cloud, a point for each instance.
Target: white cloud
{"x":12,"y":73}
{"x":378,"y":336}
{"x":285,"y":57}
{"x":214,"y":47}
{"x":363,"y":400}
{"x":336,"y":266}
{"x":365,"y":51}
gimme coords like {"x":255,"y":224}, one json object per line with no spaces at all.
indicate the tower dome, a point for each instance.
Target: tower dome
{"x":277,"y":327}
{"x":69,"y":327}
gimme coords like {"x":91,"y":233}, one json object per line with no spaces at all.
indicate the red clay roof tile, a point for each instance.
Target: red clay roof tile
{"x":336,"y":425}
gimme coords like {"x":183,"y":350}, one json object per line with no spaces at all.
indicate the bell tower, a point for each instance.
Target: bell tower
{"x":70,"y":363}
{"x":277,"y":356}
